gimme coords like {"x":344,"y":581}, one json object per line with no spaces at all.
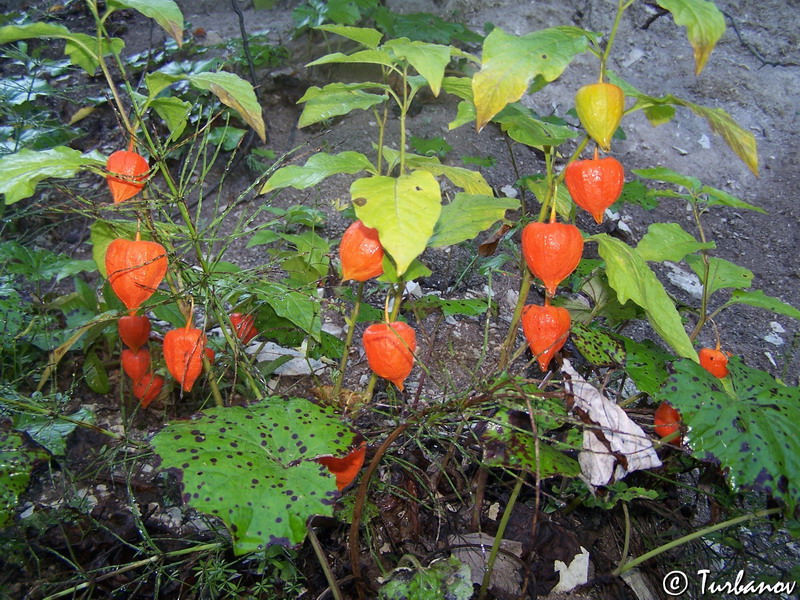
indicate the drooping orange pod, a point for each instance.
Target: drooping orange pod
{"x":148,"y":388}
{"x":136,"y":363}
{"x":244,"y":326}
{"x":546,"y":328}
{"x":714,"y":361}
{"x":361,"y":253}
{"x":667,"y":420}
{"x":552,"y":251}
{"x":183,"y":353}
{"x":595,"y":184}
{"x":135,"y":269}
{"x":345,"y":469}
{"x":210,"y":354}
{"x":133,"y":167}
{"x":134,"y":330}
{"x":389,"y":348}
{"x":600,"y":107}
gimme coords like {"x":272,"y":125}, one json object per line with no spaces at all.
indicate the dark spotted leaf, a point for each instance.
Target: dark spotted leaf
{"x":597,"y":346}
{"x":18,"y":457}
{"x":255,"y":467}
{"x":748,"y":422}
{"x":646,"y":365}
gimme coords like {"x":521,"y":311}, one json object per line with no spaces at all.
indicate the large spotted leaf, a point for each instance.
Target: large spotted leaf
{"x":748,"y":422}
{"x":255,"y":467}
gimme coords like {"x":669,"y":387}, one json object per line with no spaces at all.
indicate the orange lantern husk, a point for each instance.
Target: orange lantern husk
{"x":361,"y":253}
{"x":244,"y":326}
{"x":183,"y":352}
{"x":148,"y":388}
{"x":390,"y":350}
{"x":714,"y":361}
{"x":345,"y":469}
{"x":546,"y":328}
{"x":667,"y":420}
{"x":136,"y":363}
{"x":134,"y":330}
{"x":135,"y":269}
{"x":133,"y":167}
{"x":552,"y":251}
{"x":595,"y":184}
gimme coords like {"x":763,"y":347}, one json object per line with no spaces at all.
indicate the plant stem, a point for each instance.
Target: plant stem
{"x":53,"y":414}
{"x":693,"y":536}
{"x":701,"y":321}
{"x":323,"y":562}
{"x":511,"y":336}
{"x":337,"y":388}
{"x":136,"y":565}
{"x":498,"y":538}
{"x":621,"y":6}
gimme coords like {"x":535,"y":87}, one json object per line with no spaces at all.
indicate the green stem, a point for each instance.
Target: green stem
{"x":54,"y":415}
{"x":135,"y":565}
{"x":511,"y":336}
{"x":693,"y":536}
{"x":621,"y":6}
{"x":337,"y":388}
{"x":403,"y":111}
{"x":323,"y":562}
{"x":498,"y":538}
{"x":701,"y":321}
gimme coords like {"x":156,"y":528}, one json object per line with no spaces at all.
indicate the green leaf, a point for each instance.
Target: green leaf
{"x":704,"y":24}
{"x":599,"y":347}
{"x":759,"y":299}
{"x":436,"y":146}
{"x":255,"y":467}
{"x":164,"y":12}
{"x":666,"y":175}
{"x":510,"y":64}
{"x":366,"y":57}
{"x":158,"y":81}
{"x":668,"y":241}
{"x":18,"y":457}
{"x":266,"y":236}
{"x":632,"y":279}
{"x":721,"y":273}
{"x":81,"y":48}
{"x":94,"y":374}
{"x":235,"y":92}
{"x":428,"y":59}
{"x":21,"y":171}
{"x":720,"y":198}
{"x":424,"y":27}
{"x":752,"y":426}
{"x":526,"y":127}
{"x":472,"y":182}
{"x":363,"y":35}
{"x":466,"y":216}
{"x":646,"y":365}
{"x":175,"y":113}
{"x":444,"y":579}
{"x":300,"y":309}
{"x":403,"y":209}
{"x":416,"y":270}
{"x":635,"y":192}
{"x":538,"y":185}
{"x":102,"y":233}
{"x":320,"y":166}
{"x":51,"y":432}
{"x":510,"y":444}
{"x":336,"y":99}
{"x":742,"y":142}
